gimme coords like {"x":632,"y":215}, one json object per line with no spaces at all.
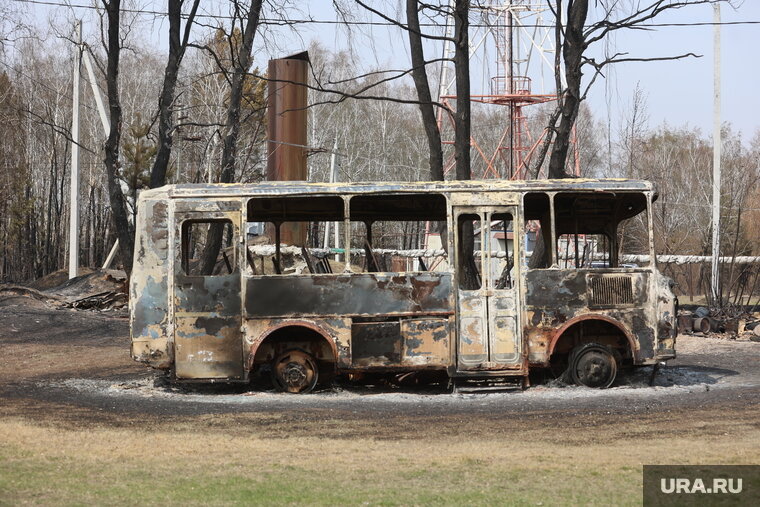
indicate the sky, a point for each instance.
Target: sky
{"x":679,"y":93}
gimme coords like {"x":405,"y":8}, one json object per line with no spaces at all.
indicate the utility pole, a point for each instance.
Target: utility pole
{"x":333,"y":179}
{"x":74,"y":200}
{"x":82,"y":57}
{"x":715,"y":289}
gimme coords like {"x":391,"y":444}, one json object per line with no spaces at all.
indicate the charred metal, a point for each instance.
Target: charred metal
{"x":526,"y":276}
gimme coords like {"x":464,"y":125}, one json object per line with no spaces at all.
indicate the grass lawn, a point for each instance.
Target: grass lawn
{"x":47,"y":465}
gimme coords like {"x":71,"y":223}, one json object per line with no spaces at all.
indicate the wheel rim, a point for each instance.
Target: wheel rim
{"x":594,"y":367}
{"x":295,"y":371}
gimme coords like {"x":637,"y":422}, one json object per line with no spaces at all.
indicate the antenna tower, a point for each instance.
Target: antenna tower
{"x":521,"y":74}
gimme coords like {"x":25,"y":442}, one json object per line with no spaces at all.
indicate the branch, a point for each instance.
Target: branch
{"x":403,"y":26}
{"x":63,"y":131}
{"x":348,"y":95}
{"x":639,"y":16}
{"x":373,"y":73}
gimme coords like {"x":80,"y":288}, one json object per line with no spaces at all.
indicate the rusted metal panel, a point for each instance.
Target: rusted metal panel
{"x":205,"y":206}
{"x":336,"y":331}
{"x":554,"y":297}
{"x":204,"y":295}
{"x":348,"y":294}
{"x":473,"y":334}
{"x":208,"y":348}
{"x":376,"y":344}
{"x":148,"y":300}
{"x":287,"y":114}
{"x":207,"y":327}
{"x":476,"y":198}
{"x":426,"y":342}
{"x":504,"y":336}
{"x":286,"y":128}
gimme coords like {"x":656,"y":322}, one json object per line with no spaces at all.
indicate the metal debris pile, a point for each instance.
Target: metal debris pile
{"x":108,"y":300}
{"x":729,"y":322}
{"x":102,"y":290}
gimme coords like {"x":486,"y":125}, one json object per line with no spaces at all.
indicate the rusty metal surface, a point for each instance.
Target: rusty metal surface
{"x":149,"y":299}
{"x":376,"y":344}
{"x":221,"y":190}
{"x":287,"y":102}
{"x":426,"y":342}
{"x":335,"y":331}
{"x":348,"y":294}
{"x":667,"y":326}
{"x":220,"y":327}
{"x":286,"y":118}
{"x":556,"y":297}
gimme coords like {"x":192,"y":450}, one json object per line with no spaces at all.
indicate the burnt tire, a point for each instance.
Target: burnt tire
{"x":295,"y":371}
{"x":593,"y":365}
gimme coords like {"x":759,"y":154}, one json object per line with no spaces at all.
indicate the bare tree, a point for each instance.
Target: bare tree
{"x":177,"y":47}
{"x":124,"y":230}
{"x":240,"y":52}
{"x":576,"y":36}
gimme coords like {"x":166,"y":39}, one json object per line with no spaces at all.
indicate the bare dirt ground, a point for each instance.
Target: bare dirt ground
{"x":81,"y":423}
{"x":62,"y":366}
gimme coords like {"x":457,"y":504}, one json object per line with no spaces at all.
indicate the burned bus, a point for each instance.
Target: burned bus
{"x":476,"y":280}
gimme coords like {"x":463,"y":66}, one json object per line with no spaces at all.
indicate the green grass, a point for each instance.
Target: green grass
{"x":47,"y":480}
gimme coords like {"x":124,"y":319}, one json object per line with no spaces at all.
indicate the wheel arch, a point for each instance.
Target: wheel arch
{"x":283,"y":331}
{"x":587,"y":319}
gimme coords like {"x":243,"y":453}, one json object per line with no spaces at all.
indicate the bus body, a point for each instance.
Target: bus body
{"x":521,"y":275}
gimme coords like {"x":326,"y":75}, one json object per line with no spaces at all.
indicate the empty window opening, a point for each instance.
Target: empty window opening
{"x":393,"y":231}
{"x":601,"y":230}
{"x":203,"y":254}
{"x":295,"y":235}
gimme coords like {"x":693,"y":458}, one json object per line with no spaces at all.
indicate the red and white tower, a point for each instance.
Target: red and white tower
{"x":512,"y":46}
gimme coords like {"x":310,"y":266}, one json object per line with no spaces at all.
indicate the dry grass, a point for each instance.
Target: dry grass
{"x":182,"y":464}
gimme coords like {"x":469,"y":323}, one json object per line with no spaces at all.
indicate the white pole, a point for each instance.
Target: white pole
{"x":716,"y":159}
{"x":333,"y":179}
{"x":96,"y":93}
{"x":448,"y":52}
{"x":111,"y":255}
{"x":74,"y":200}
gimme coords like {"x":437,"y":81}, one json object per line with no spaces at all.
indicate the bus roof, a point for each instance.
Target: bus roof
{"x":227,"y":190}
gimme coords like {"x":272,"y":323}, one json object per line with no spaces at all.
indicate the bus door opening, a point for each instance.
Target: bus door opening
{"x":487,"y":298}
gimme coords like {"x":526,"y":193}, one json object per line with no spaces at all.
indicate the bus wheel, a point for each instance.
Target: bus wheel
{"x":295,"y":371}
{"x":593,"y":365}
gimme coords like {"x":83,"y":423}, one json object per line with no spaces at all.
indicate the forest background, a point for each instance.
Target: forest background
{"x":378,"y":140}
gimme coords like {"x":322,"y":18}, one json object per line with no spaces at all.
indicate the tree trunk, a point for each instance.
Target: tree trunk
{"x":420,"y":77}
{"x":572,"y":52}
{"x":242,"y":61}
{"x":462,"y":66}
{"x":166,"y":99}
{"x":470,"y":277}
{"x":116,"y":197}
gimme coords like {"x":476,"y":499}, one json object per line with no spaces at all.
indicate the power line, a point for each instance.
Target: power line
{"x":43,"y":85}
{"x":272,"y":21}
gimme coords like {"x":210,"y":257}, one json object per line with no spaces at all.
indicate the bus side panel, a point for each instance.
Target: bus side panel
{"x":148,"y":300}
{"x":556,"y":296}
{"x":349,"y":294}
{"x":387,"y":320}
